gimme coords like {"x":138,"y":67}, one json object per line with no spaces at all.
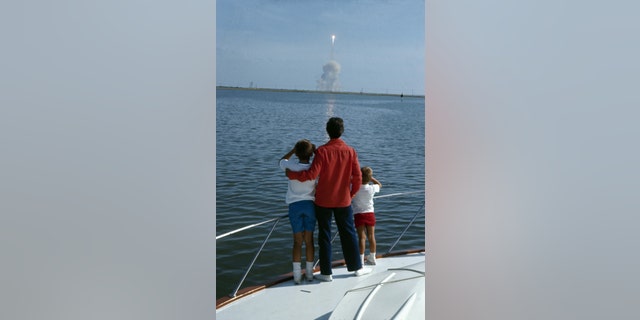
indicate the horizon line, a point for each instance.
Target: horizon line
{"x":402,"y":94}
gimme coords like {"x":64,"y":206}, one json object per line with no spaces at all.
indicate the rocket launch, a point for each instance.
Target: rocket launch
{"x":330,"y":71}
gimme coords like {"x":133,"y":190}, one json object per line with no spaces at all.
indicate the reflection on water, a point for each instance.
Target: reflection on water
{"x":330,"y":104}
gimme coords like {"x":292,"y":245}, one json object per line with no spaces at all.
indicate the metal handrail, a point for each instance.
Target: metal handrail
{"x":396,"y":194}
{"x":277,"y":219}
{"x":407,"y":227}
{"x":248,"y":227}
{"x":263,"y":222}
{"x":233,"y":294}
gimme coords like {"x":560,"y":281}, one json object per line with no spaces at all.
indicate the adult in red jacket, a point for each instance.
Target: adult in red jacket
{"x":336,"y":166}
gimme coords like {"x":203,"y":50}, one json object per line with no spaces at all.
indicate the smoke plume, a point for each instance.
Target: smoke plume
{"x":329,"y":79}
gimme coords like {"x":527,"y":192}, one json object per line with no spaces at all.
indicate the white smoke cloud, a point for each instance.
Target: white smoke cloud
{"x":329,"y":80}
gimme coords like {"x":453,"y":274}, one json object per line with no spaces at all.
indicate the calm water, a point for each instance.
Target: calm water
{"x":254,"y":129}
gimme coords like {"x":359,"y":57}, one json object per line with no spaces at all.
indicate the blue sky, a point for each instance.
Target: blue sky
{"x":379,"y":45}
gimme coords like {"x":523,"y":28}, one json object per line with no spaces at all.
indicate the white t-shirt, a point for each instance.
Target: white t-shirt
{"x":297,"y":190}
{"x":363,"y":200}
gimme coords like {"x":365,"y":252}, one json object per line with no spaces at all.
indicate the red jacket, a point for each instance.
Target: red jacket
{"x":336,"y":166}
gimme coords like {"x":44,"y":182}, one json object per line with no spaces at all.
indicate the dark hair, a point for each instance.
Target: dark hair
{"x":304,"y":149}
{"x":335,"y":127}
{"x":367,"y":173}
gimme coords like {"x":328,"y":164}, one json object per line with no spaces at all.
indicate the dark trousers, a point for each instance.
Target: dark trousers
{"x":348,"y":237}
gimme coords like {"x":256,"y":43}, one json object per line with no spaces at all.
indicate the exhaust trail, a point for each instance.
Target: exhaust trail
{"x":330,"y":72}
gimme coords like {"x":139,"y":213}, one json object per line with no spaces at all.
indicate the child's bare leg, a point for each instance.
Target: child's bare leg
{"x":309,"y":249}
{"x":372,"y":239}
{"x":361,"y":238}
{"x":308,"y":243}
{"x":297,"y":247}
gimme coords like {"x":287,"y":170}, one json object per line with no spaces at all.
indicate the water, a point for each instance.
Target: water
{"x":254,"y":129}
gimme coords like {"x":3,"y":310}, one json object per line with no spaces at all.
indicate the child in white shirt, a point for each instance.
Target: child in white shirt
{"x":364,"y":217}
{"x":300,"y":197}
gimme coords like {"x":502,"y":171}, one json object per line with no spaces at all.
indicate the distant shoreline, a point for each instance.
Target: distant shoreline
{"x":318,"y":91}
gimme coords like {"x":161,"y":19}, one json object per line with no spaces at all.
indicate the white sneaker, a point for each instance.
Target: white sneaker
{"x":309,"y":275}
{"x":324,"y":277}
{"x":309,"y":272}
{"x":371,"y":259}
{"x":297,"y":276}
{"x":362,"y":271}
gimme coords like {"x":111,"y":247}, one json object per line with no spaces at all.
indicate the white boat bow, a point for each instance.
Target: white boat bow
{"x":393,"y":290}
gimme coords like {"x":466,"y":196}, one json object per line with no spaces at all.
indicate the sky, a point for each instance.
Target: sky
{"x":379,"y":45}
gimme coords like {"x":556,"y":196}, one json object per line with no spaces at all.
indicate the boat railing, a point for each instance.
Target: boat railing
{"x":277,"y":219}
{"x":406,"y":228}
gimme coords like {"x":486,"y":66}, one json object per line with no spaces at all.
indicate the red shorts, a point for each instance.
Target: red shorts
{"x":364,"y":219}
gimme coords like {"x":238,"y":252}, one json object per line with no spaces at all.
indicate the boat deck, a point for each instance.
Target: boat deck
{"x":311,"y":300}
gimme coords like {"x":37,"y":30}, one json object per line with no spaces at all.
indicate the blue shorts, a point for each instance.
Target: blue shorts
{"x":302,"y":215}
